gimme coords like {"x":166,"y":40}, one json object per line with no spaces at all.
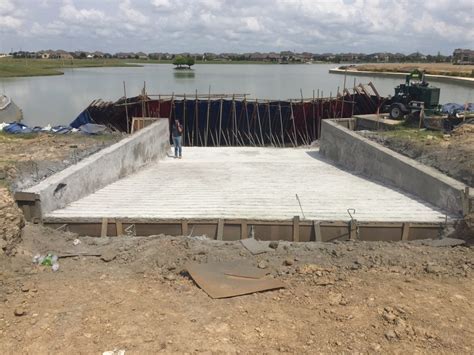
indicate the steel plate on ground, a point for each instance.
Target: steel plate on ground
{"x":214,"y":280}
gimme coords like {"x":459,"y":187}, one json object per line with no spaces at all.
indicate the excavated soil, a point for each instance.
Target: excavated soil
{"x":26,"y":160}
{"x":451,"y":154}
{"x":352,"y":297}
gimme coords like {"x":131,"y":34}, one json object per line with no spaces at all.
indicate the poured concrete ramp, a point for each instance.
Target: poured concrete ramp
{"x":247,"y":183}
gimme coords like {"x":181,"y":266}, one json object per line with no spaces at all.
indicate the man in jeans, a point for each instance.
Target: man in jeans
{"x":176,"y":133}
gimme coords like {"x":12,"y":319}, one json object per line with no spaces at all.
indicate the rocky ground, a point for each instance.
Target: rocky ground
{"x":357,"y":297}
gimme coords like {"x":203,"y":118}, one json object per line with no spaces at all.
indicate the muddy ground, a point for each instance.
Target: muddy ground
{"x":352,"y":297}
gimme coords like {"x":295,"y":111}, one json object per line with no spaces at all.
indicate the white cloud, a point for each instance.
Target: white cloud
{"x":6,"y":7}
{"x":10,"y":22}
{"x":244,"y":25}
{"x":70,"y":13}
{"x":131,"y":14}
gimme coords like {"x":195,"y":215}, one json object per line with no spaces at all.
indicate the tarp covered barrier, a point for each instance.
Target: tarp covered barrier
{"x":225,"y":122}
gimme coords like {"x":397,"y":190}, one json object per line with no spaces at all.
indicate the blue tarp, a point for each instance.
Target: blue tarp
{"x":83,"y":118}
{"x":452,"y":108}
{"x":17,"y":128}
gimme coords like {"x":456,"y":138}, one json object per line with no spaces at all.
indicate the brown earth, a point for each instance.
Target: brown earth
{"x":451,"y":154}
{"x":27,"y":159}
{"x":351,"y":297}
{"x":429,"y":68}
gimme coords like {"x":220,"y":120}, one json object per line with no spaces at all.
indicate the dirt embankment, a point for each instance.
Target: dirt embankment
{"x":357,"y":297}
{"x":451,"y":154}
{"x":429,"y":68}
{"x":27,"y":159}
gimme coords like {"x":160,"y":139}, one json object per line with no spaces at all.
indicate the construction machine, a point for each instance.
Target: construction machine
{"x":414,"y":97}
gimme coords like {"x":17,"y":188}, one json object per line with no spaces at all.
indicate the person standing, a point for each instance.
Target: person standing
{"x":176,"y":133}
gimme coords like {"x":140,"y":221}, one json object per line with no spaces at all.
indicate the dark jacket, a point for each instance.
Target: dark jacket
{"x":175,"y":132}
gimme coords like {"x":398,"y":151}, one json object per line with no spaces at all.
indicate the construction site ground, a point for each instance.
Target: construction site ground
{"x":355,"y":297}
{"x":451,"y":153}
{"x":135,"y":295}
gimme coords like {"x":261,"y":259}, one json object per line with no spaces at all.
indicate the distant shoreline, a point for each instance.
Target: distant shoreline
{"x":387,"y":74}
{"x":17,"y":68}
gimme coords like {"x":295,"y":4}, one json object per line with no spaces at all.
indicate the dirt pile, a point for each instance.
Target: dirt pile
{"x":11,"y":222}
{"x":136,"y":295}
{"x":450,"y":154}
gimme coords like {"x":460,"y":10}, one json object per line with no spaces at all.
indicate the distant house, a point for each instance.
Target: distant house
{"x":141,"y":55}
{"x":60,"y":54}
{"x":463,"y":56}
{"x":122,"y":55}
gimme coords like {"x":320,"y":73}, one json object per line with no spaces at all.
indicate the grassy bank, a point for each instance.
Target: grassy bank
{"x":466,"y":71}
{"x":10,"y":67}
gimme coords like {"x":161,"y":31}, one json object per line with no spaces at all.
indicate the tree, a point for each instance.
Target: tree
{"x":189,"y":61}
{"x":179,"y":61}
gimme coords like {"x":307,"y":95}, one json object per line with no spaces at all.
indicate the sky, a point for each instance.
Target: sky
{"x":318,"y":26}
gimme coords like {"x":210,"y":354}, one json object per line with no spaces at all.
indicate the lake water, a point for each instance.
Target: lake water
{"x":59,"y":99}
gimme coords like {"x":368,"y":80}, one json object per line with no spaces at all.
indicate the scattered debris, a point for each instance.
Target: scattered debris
{"x":108,"y":255}
{"x":114,"y":352}
{"x":256,"y":246}
{"x":213,"y":278}
{"x":289,"y":261}
{"x":19,"y":312}
{"x":76,"y":242}
{"x":273,"y":244}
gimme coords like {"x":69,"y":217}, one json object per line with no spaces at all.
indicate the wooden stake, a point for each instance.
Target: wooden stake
{"x":103,"y":229}
{"x":281,"y":126}
{"x":296,"y":228}
{"x":184,"y":119}
{"x":220,"y":229}
{"x":126,"y":108}
{"x":244,"y":230}
{"x":207,"y":117}
{"x":304,"y":118}
{"x":220,"y":124}
{"x":294,"y":124}
{"x":259,"y":124}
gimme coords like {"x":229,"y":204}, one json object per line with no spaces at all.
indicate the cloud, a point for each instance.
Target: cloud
{"x":132,"y":15}
{"x":244,"y":25}
{"x":9,"y":18}
{"x":70,"y":13}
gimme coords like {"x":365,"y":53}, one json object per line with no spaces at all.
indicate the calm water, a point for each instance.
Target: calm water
{"x":59,"y":99}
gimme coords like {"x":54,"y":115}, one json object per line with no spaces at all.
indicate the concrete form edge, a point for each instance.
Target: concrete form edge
{"x":100,"y":169}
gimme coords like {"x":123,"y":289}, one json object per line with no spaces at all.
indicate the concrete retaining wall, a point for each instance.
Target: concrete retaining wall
{"x":102,"y":168}
{"x":358,"y":154}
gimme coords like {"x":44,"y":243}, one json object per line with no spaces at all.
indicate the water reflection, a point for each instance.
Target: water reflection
{"x":184,"y":74}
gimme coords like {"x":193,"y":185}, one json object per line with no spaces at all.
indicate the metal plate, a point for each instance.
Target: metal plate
{"x":213,"y":280}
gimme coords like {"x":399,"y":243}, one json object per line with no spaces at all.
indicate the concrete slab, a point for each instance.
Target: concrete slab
{"x":251,"y":183}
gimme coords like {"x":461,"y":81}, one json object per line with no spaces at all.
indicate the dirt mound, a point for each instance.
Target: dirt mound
{"x":464,"y":129}
{"x":11,"y":222}
{"x":450,"y":154}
